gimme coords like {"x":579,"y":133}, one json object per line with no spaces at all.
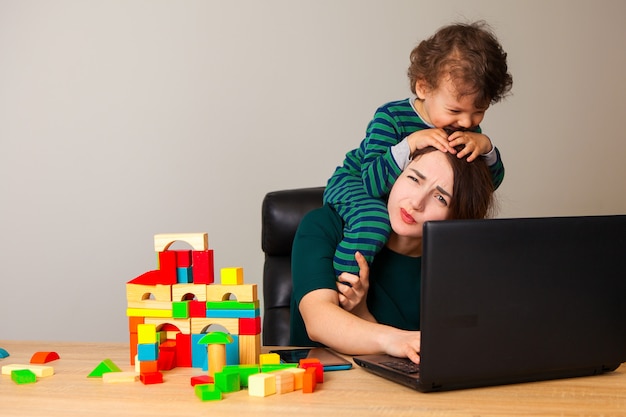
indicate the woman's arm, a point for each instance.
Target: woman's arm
{"x":327,"y":323}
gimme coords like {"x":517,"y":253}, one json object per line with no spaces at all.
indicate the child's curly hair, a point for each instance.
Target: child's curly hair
{"x":470,"y":55}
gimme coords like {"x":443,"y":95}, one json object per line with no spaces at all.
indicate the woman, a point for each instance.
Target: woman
{"x":378,"y":310}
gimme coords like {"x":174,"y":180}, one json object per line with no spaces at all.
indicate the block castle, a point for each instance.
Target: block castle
{"x":172,"y":308}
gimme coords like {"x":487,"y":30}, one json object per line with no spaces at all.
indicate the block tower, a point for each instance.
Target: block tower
{"x":171,"y":308}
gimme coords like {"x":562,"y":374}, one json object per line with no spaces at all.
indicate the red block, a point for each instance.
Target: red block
{"x":183,"y":258}
{"x":44,"y":357}
{"x":167,"y":266}
{"x":201,"y":379}
{"x":149,"y":278}
{"x":250,"y":326}
{"x":151,"y":378}
{"x":203,"y":266}
{"x":183,"y":350}
{"x":316,"y":365}
{"x":197,"y":308}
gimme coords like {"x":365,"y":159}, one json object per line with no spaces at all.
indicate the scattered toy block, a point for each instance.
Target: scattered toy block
{"x":269,"y":359}
{"x":198,"y":241}
{"x":232,"y":276}
{"x":103,"y":367}
{"x":151,"y":378}
{"x":297,"y":377}
{"x":313,"y":363}
{"x":208,"y":392}
{"x":284,"y":382}
{"x":272,"y":367}
{"x":23,"y":376}
{"x":309,"y":381}
{"x":3,"y":353}
{"x":44,"y":357}
{"x":261,"y":385}
{"x":117,"y":377}
{"x":202,"y":266}
{"x":228,"y":381}
{"x":201,"y":379}
{"x":244,"y":372}
{"x":39,"y":370}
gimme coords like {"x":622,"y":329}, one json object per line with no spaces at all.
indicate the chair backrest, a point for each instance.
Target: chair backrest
{"x":281,"y":214}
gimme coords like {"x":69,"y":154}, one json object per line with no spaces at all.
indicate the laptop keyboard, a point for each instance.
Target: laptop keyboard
{"x":403,"y":365}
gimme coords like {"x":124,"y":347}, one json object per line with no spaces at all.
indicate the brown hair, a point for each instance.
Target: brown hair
{"x":468,"y":53}
{"x":473,"y":189}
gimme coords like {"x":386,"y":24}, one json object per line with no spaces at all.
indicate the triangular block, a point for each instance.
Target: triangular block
{"x":105,"y":366}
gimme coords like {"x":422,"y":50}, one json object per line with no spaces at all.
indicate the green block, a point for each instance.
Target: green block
{"x":244,"y":372}
{"x":227,"y":381}
{"x":277,"y":367}
{"x":180,"y":309}
{"x":208,"y":392}
{"x":23,"y":376}
{"x":105,"y":366}
{"x":231,"y":305}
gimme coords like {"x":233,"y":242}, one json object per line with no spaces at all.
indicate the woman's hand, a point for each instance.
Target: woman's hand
{"x":403,"y":344}
{"x":353,"y":289}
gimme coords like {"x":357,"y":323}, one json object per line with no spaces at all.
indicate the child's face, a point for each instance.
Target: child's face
{"x":423,"y":192}
{"x":443,"y":108}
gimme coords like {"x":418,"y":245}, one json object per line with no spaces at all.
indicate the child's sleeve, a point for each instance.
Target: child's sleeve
{"x":496,"y":167}
{"x":379,"y":169}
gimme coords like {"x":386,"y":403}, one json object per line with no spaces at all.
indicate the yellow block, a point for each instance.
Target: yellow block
{"x":113,"y":377}
{"x":147,"y":312}
{"x":146,"y":333}
{"x":38,"y":370}
{"x":261,"y":385}
{"x":297,"y":377}
{"x":269,"y":359}
{"x":232,"y":276}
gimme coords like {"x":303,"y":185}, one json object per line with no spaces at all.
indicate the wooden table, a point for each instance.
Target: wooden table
{"x":344,"y":393}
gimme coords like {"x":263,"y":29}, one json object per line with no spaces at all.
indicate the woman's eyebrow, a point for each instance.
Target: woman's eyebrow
{"x":419,"y":174}
{"x":444,"y":192}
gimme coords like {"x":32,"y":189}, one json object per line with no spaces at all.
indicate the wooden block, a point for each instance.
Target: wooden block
{"x":197,"y":308}
{"x":147,"y":367}
{"x":180,"y":309}
{"x":198,"y":241}
{"x":184,"y":275}
{"x":147,"y":351}
{"x":269,"y":359}
{"x":249,"y":349}
{"x":183,"y":258}
{"x":316,"y":365}
{"x":202,"y":267}
{"x":148,"y":278}
{"x":200,"y":324}
{"x":148,"y":312}
{"x":117,"y":377}
{"x":183,"y":350}
{"x":167,"y":266}
{"x":208,"y":392}
{"x":217,"y":358}
{"x":133,"y":347}
{"x":170,"y":323}
{"x":284,"y":382}
{"x":297,"y":377}
{"x":151,"y":378}
{"x":182,"y":292}
{"x":243,"y":293}
{"x":244,"y":372}
{"x":146,"y":333}
{"x":44,"y":357}
{"x":39,"y":370}
{"x":228,"y":313}
{"x":309,"y":381}
{"x":103,"y":367}
{"x":228,"y":381}
{"x":133,"y":322}
{"x":261,"y":385}
{"x":232,"y":305}
{"x":249,"y":326}
{"x":232,"y":276}
{"x":140,"y":292}
{"x":201,"y":379}
{"x":23,"y":376}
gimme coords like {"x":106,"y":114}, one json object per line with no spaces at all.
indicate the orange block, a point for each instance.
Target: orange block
{"x":309,"y":382}
{"x":44,"y":357}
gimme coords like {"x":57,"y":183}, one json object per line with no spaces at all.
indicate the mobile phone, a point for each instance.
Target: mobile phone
{"x":329,"y":359}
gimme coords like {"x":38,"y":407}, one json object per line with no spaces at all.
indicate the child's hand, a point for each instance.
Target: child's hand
{"x":430,"y":137}
{"x":476,"y":144}
{"x":353,"y":289}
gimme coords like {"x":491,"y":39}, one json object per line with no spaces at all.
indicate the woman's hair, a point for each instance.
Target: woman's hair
{"x":473,"y":190}
{"x":470,"y":55}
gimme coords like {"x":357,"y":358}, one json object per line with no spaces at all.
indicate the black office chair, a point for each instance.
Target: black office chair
{"x":280,"y":215}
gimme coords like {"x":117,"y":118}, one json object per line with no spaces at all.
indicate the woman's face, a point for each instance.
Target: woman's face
{"x":422,"y":192}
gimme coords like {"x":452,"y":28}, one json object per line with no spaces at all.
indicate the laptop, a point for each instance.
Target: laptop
{"x":517,"y":300}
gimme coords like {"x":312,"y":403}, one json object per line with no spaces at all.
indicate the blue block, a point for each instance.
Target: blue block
{"x":232,"y":351}
{"x":184,"y":275}
{"x":198,"y":352}
{"x":233,"y":314}
{"x":147,"y":351}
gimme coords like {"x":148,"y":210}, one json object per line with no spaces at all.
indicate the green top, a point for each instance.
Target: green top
{"x":395,"y":280}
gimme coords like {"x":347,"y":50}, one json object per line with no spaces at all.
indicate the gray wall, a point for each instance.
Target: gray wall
{"x":123,"y":119}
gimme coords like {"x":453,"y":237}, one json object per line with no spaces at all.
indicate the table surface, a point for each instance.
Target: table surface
{"x":344,"y":393}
